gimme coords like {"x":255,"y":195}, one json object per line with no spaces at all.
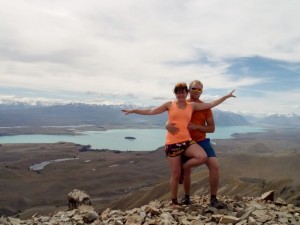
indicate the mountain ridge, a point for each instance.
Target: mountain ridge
{"x":99,"y":115}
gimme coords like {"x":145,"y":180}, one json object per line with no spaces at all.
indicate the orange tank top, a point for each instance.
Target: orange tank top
{"x":181,"y":119}
{"x":200,"y":117}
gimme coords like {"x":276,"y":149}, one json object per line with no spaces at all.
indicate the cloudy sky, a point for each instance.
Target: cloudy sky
{"x":135,"y":51}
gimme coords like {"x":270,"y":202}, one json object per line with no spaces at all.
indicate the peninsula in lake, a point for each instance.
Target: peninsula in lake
{"x":130,"y":138}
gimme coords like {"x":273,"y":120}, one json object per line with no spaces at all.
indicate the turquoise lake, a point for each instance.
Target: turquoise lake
{"x":146,"y":139}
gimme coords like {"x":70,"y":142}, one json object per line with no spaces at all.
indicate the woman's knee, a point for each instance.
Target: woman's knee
{"x":201,"y":157}
{"x":195,"y":151}
{"x":202,"y":160}
{"x":176,"y":175}
{"x":175,"y":172}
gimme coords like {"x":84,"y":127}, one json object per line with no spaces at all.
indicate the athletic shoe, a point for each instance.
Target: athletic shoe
{"x":185,"y":201}
{"x":217,"y":204}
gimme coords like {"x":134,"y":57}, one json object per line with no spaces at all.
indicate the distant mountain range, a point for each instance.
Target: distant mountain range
{"x":281,"y":120}
{"x":78,"y":114}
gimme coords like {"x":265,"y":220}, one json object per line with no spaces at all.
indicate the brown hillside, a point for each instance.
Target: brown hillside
{"x":131,"y":179}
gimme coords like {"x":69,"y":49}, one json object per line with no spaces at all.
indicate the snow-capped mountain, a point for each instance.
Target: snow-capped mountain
{"x":24,"y":113}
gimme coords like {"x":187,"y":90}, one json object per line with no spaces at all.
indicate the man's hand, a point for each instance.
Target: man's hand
{"x":230,"y":95}
{"x":126,"y":111}
{"x":172,"y":128}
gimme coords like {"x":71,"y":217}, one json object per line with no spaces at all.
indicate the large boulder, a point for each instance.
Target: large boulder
{"x":77,"y":198}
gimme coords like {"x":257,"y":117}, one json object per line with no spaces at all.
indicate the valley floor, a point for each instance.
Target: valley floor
{"x":250,"y":164}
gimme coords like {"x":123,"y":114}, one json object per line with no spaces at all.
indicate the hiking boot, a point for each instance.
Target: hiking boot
{"x":217,"y":204}
{"x":186,"y":201}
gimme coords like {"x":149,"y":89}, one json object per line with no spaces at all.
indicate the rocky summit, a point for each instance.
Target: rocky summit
{"x":239,"y":210}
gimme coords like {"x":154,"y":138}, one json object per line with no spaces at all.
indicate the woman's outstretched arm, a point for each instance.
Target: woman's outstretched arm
{"x":157,"y":110}
{"x":208,"y":105}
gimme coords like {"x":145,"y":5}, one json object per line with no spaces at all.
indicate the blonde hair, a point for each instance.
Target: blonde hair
{"x":195,"y":82}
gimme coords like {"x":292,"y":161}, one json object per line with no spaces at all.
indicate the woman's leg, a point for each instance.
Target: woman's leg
{"x":175,"y":167}
{"x":196,"y":155}
{"x":187,"y":181}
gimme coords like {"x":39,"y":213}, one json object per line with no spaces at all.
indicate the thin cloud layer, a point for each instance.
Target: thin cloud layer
{"x":135,"y":51}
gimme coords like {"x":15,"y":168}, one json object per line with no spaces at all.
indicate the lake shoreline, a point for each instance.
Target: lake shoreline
{"x":66,"y":130}
{"x":123,"y":139}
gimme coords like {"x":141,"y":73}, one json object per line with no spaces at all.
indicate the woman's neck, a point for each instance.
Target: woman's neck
{"x":181,"y":103}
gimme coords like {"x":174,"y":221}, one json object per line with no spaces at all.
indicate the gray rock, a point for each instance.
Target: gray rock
{"x":242,"y":210}
{"x":229,"y":219}
{"x":268,"y":196}
{"x":280,"y":201}
{"x":77,"y":198}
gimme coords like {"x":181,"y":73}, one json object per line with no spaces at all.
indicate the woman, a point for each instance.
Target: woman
{"x":179,"y":113}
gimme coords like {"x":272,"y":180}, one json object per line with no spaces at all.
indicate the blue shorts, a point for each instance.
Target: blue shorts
{"x":206,"y":145}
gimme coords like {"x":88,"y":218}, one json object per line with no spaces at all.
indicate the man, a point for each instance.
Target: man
{"x":202,"y":122}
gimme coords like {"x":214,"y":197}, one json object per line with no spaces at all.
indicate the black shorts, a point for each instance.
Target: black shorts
{"x":177,"y":149}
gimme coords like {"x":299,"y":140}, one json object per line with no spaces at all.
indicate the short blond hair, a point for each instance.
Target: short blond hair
{"x":195,"y":82}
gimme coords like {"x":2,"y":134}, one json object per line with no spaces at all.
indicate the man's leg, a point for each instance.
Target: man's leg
{"x":213,"y":168}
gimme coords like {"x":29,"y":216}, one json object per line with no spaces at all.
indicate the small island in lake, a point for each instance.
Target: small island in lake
{"x":130,"y":138}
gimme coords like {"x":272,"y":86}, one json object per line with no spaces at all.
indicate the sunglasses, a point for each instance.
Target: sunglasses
{"x":181,"y":85}
{"x":196,"y":89}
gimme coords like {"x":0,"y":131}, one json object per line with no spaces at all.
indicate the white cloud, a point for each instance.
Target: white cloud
{"x":11,"y":99}
{"x":137,"y":50}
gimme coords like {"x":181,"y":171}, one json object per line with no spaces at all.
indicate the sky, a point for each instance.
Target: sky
{"x":135,"y":51}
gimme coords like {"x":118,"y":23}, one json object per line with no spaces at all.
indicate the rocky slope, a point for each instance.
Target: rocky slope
{"x":240,"y":210}
{"x":140,"y":176}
